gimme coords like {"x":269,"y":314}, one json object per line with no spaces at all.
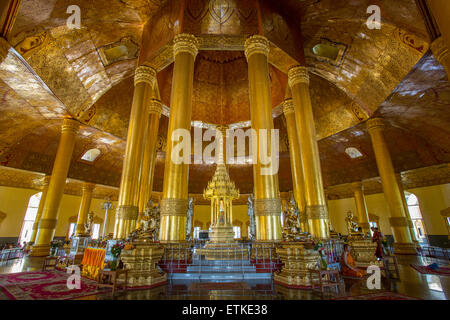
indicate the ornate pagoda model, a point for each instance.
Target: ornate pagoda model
{"x":222,"y":191}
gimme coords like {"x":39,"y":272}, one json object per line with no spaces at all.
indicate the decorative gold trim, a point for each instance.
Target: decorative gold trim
{"x":185,"y":42}
{"x":174,"y":207}
{"x":256,"y":44}
{"x":145,"y":74}
{"x":288,"y":106}
{"x":440,"y":50}
{"x":89,"y":187}
{"x":267,"y":207}
{"x":398,"y":222}
{"x":298,"y":74}
{"x":316,"y":212}
{"x":70,"y":125}
{"x":127,"y":212}
{"x":155,"y":107}
{"x":357,"y":186}
{"x":47,"y":224}
{"x":375,"y":124}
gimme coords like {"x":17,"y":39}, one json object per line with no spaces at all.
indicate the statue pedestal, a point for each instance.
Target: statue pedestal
{"x":298,"y":258}
{"x":141,"y":264}
{"x":363,"y":251}
{"x":79,"y":244}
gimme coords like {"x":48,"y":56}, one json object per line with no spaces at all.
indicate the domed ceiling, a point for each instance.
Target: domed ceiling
{"x":56,"y":72}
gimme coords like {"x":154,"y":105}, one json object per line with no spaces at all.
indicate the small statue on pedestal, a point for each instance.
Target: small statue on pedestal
{"x":291,"y":230}
{"x":190,"y":214}
{"x":89,"y":223}
{"x":251,"y":214}
{"x":149,"y":228}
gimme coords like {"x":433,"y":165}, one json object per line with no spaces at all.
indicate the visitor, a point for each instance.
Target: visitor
{"x":348,"y":266}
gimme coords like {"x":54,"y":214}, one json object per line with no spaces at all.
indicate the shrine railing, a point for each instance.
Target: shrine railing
{"x":196,"y":258}
{"x":333,"y":249}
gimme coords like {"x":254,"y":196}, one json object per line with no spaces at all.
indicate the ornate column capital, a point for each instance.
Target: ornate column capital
{"x":440,"y":50}
{"x":145,"y":74}
{"x":70,"y":125}
{"x":288,"y":107}
{"x":4,"y":49}
{"x":185,"y":42}
{"x":88,"y":187}
{"x":357,"y":186}
{"x":298,"y":74}
{"x":155,"y":107}
{"x":256,"y":44}
{"x":375,"y":124}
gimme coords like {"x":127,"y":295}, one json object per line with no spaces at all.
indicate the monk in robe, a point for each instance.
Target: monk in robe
{"x":378,"y":238}
{"x":348,"y":264}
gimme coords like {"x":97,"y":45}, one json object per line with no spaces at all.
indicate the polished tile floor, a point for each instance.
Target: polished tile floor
{"x":411,"y":283}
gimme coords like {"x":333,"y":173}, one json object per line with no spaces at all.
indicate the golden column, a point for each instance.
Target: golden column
{"x":440,"y":46}
{"x":47,"y":224}
{"x":296,"y":162}
{"x":127,"y":208}
{"x":45,"y":184}
{"x":316,"y":208}
{"x":441,"y":53}
{"x":174,"y":204}
{"x":267,"y":203}
{"x":86,"y":198}
{"x":399,"y":223}
{"x":361,"y":207}
{"x":405,"y":205}
{"x":148,"y":163}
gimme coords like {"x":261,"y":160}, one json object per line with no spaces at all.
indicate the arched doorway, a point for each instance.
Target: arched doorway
{"x":416,"y":217}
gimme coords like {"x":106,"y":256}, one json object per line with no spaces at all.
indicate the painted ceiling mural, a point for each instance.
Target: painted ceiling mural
{"x":52,"y":72}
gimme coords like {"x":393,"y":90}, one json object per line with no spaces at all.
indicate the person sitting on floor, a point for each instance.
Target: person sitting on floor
{"x":348,"y":264}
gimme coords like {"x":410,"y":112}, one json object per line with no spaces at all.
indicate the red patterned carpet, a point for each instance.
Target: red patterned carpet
{"x":218,"y":286}
{"x":43,"y":285}
{"x":442,"y":271}
{"x":378,"y":296}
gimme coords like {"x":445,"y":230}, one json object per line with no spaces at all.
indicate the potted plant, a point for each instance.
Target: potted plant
{"x":116,"y":250}
{"x":323,"y":265}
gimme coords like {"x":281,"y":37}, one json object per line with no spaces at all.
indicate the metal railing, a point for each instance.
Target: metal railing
{"x":199,"y":258}
{"x":9,"y":254}
{"x":333,"y":250}
{"x":435,"y":252}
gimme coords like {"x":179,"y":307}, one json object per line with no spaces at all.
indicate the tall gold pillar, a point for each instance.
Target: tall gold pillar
{"x":127,"y":207}
{"x":361,"y":207}
{"x":399,"y":223}
{"x":174,"y":204}
{"x":441,"y":53}
{"x":148,"y":163}
{"x":267,"y":203}
{"x":47,"y":224}
{"x":40,"y":209}
{"x":405,"y":206}
{"x":316,"y":208}
{"x":296,"y":162}
{"x":86,"y":198}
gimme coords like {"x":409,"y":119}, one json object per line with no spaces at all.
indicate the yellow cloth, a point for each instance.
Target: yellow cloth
{"x":93,"y":261}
